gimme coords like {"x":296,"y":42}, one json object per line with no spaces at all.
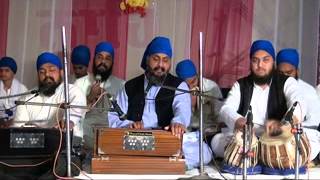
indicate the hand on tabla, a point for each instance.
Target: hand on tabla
{"x":136,"y":125}
{"x":239,"y":124}
{"x":272,"y":127}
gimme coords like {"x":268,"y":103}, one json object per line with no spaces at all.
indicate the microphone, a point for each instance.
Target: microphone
{"x":98,"y":78}
{"x":35,"y":91}
{"x":249,"y":116}
{"x":116,"y":107}
{"x":289,"y":114}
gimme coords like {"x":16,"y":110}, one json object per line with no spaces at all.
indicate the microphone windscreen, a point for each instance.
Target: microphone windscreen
{"x":19,"y":102}
{"x":98,"y":78}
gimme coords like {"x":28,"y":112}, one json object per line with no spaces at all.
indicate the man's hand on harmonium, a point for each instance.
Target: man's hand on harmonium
{"x":177,"y":129}
{"x":136,"y":125}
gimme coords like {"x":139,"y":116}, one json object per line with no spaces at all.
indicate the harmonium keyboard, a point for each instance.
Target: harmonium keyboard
{"x":29,"y":142}
{"x":131,"y":151}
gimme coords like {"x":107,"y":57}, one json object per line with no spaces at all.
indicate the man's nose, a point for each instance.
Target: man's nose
{"x":47,"y":74}
{"x":259,"y":63}
{"x":161,"y":63}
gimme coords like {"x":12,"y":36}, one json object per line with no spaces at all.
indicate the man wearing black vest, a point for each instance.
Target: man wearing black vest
{"x":269,"y":93}
{"x":148,"y":105}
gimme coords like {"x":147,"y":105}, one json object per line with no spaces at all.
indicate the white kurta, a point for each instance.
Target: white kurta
{"x":258,"y":103}
{"x":312,"y":118}
{"x":97,"y":116}
{"x":318,"y":90}
{"x":45,"y":116}
{"x":16,"y":88}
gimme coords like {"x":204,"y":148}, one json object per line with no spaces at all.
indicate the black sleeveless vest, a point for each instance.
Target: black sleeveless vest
{"x":277,"y":105}
{"x":164,"y":99}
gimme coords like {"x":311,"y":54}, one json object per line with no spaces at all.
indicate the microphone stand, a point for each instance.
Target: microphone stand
{"x":63,"y":106}
{"x":193,"y":92}
{"x":20,"y":94}
{"x":297,"y":131}
{"x":202,"y":173}
{"x":244,"y":153}
{"x":66,"y":98}
{"x":297,"y":135}
{"x":247,"y":139}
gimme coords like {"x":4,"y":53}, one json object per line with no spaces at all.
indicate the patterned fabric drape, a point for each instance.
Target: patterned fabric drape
{"x":4,"y":4}
{"x":318,"y":60}
{"x":101,"y":20}
{"x":227,"y":28}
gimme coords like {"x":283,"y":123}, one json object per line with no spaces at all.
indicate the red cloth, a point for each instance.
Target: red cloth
{"x":4,"y":4}
{"x":227,"y":28}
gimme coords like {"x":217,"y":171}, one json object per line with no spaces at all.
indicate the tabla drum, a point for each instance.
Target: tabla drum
{"x":233,"y":154}
{"x":278,"y":152}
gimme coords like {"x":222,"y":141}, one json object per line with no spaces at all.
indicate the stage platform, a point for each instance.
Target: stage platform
{"x":313,"y":173}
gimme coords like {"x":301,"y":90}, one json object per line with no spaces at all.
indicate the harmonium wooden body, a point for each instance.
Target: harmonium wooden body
{"x":131,"y":151}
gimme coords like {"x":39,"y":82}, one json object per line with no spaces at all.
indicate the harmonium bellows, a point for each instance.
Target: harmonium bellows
{"x":133,"y":151}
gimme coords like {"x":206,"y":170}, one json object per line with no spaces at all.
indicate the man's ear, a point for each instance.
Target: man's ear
{"x":61,"y":72}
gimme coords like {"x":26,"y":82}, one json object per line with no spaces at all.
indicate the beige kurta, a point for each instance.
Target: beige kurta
{"x":97,"y":116}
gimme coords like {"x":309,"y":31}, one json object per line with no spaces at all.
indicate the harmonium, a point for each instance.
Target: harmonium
{"x":132,"y":151}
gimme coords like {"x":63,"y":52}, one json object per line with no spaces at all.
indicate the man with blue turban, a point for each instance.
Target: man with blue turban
{"x":9,"y":85}
{"x":268,"y":93}
{"x":51,"y":91}
{"x":288,"y":64}
{"x":96,"y":86}
{"x":187,"y":71}
{"x":80,"y":58}
{"x":147,"y":104}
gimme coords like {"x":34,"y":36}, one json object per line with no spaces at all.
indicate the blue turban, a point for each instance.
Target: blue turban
{"x":48,"y":57}
{"x":157,"y":45}
{"x":81,"y":55}
{"x":185,"y":69}
{"x":288,"y":55}
{"x":106,"y":47}
{"x":9,"y":62}
{"x":262,"y":45}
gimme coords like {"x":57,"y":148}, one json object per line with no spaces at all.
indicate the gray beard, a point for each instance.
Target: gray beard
{"x":153,"y":78}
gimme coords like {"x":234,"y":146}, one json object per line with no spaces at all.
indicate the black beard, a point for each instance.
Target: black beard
{"x":48,"y":89}
{"x":105,"y":74}
{"x":154,"y":79}
{"x":261,"y":80}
